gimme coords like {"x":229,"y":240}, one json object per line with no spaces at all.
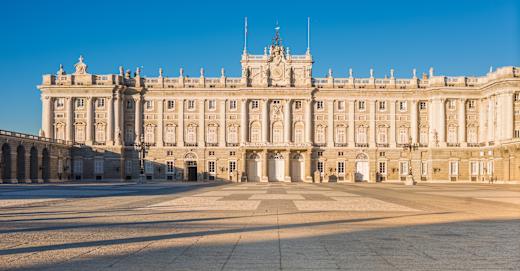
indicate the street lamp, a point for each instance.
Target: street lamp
{"x":410,"y":147}
{"x":141,"y":147}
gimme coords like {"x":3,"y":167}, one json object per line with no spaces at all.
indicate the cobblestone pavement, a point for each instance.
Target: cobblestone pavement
{"x":275,"y":226}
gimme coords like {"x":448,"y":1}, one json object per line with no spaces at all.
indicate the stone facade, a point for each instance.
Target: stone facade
{"x":279,"y":123}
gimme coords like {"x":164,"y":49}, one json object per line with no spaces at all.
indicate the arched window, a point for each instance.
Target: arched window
{"x":361,"y":135}
{"x":232,"y":135}
{"x":320,"y":134}
{"x":341,"y":134}
{"x":169,"y":137}
{"x":79,"y":133}
{"x":299,"y":132}
{"x":149,"y":134}
{"x":452,"y":134}
{"x":60,"y":131}
{"x":277,"y":132}
{"x":254,"y":134}
{"x":212,"y":136}
{"x":191,"y":134}
{"x":382,"y":137}
{"x":403,"y":135}
{"x":100,"y":132}
{"x":472,"y":134}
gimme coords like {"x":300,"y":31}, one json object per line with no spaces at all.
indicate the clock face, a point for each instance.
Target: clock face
{"x":277,"y":73}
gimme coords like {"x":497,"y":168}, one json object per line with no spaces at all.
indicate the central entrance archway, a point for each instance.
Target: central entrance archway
{"x":361,"y":174}
{"x":254,"y":168}
{"x":276,"y":167}
{"x":297,"y":168}
{"x":190,"y":165}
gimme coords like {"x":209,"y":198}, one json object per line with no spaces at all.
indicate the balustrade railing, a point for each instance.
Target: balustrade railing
{"x":33,"y":137}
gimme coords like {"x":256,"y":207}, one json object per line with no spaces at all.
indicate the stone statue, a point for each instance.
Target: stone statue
{"x":288,"y":51}
{"x":371,"y":73}
{"x":391,"y":73}
{"x":330,"y":72}
{"x":350,"y":73}
{"x":222,"y":72}
{"x":128,"y":74}
{"x":431,"y":72}
{"x":181,"y":72}
{"x":121,"y":71}
{"x":81,"y":67}
{"x":201,"y":72}
{"x":160,"y":72}
{"x":414,"y":73}
{"x":265,"y":50}
{"x":61,"y":71}
{"x":138,"y":71}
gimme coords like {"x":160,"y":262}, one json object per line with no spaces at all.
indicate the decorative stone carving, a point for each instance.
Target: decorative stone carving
{"x":81,"y":67}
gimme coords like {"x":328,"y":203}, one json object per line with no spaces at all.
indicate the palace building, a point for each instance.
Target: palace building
{"x":276,"y":122}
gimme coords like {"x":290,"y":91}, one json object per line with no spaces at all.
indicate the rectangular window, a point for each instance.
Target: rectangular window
{"x":100,"y":102}
{"x":319,"y":105}
{"x":382,"y":168}
{"x":255,"y":104}
{"x":212,"y":104}
{"x":424,"y":168}
{"x":320,"y":167}
{"x":148,"y":167}
{"x":403,"y":168}
{"x":191,"y":104}
{"x":341,"y":167}
{"x":403,"y":105}
{"x":98,"y":166}
{"x":382,"y":106}
{"x":232,"y":166}
{"x":148,"y":105}
{"x":474,"y":168}
{"x":361,"y":105}
{"x":171,"y":105}
{"x":232,"y":105}
{"x":60,"y":103}
{"x":341,"y":105}
{"x":211,"y":167}
{"x":297,"y":104}
{"x":454,"y":168}
{"x":471,"y":104}
{"x":422,"y":105}
{"x":80,"y":103}
{"x":170,"y":167}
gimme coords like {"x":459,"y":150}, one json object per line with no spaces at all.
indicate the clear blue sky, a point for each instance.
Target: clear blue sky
{"x":457,"y":37}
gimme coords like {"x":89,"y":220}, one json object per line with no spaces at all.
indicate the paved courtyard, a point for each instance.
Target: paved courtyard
{"x":249,"y":226}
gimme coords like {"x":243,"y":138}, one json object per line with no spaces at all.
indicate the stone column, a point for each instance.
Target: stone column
{"x":47,"y":116}
{"x":393,"y":124}
{"x":160,"y":123}
{"x":265,"y":176}
{"x":202,"y":126}
{"x":265,"y":121}
{"x":462,"y":122}
{"x":491,"y":119}
{"x":442,"y":122}
{"x":222,"y":127}
{"x":70,"y":119}
{"x":180,"y":123}
{"x":118,"y":120}
{"x":110,"y":121}
{"x":413,"y":121}
{"x":287,"y":164}
{"x":351,"y":123}
{"x":482,"y":132}
{"x":308,"y":121}
{"x":287,"y":121}
{"x":432,"y":123}
{"x":90,"y":120}
{"x":508,"y":113}
{"x":138,"y":118}
{"x":372,"y":127}
{"x":244,"y":127}
{"x":330,"y":123}
{"x":308,"y":166}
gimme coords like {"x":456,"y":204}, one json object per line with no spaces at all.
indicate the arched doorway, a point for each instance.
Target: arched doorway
{"x":254,"y":168}
{"x":190,"y":167}
{"x":6,"y":162}
{"x":297,"y":168}
{"x":362,"y":173}
{"x":20,"y":163}
{"x":46,"y":165}
{"x":276,"y":167}
{"x":33,"y":164}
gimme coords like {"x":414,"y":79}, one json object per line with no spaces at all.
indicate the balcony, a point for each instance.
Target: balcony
{"x":362,"y":145}
{"x":320,"y":144}
{"x":382,"y":145}
{"x":453,"y":144}
{"x":211,"y":144}
{"x":186,"y":144}
{"x":472,"y":145}
{"x":232,"y":144}
{"x":340,"y":145}
{"x":170,"y":144}
{"x":423,"y":145}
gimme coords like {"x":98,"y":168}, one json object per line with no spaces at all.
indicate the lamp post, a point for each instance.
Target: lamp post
{"x":410,"y":147}
{"x":141,"y":148}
